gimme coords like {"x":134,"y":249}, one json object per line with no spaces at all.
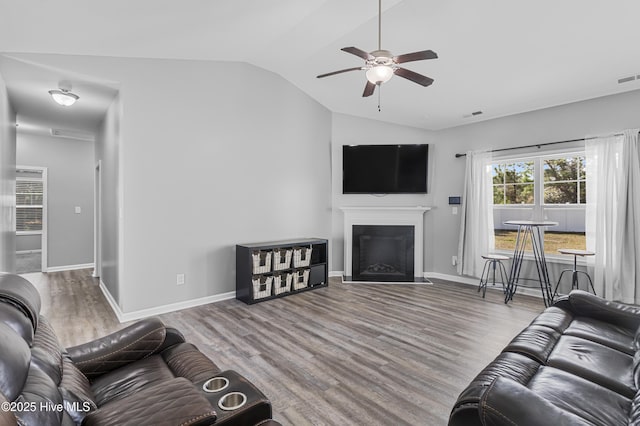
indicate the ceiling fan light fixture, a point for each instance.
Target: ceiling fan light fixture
{"x":64,"y":97}
{"x":379,"y":74}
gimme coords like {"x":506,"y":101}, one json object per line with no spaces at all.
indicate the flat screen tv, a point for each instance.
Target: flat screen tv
{"x":384,"y":169}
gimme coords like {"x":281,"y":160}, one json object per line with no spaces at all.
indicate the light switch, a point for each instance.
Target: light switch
{"x":78,"y":210}
{"x":454,"y":210}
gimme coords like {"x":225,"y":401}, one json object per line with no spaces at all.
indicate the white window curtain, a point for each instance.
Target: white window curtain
{"x":613,"y":215}
{"x":476,"y":227}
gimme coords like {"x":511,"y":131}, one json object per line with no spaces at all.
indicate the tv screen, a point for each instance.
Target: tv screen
{"x":384,"y":169}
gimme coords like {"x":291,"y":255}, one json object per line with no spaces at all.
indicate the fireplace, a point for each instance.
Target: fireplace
{"x":383,"y":253}
{"x":408,"y":258}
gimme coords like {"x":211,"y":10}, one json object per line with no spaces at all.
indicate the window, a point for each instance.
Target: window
{"x":564,"y":180}
{"x":513,"y":183}
{"x":29,"y":196}
{"x":552,"y":187}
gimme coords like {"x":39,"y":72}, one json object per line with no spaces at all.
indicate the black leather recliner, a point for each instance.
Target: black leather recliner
{"x":577,"y":363}
{"x":144,"y":374}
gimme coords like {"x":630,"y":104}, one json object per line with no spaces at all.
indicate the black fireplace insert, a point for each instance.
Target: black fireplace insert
{"x":383,"y":253}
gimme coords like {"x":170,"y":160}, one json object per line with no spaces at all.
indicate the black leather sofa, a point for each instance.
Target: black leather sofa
{"x":144,"y":374}
{"x":577,"y":363}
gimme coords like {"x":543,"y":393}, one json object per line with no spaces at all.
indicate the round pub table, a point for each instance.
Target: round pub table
{"x":530,"y":233}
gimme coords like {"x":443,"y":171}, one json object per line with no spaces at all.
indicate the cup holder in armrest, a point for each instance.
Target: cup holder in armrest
{"x":232,"y":401}
{"x":215,"y":384}
{"x":237,"y":403}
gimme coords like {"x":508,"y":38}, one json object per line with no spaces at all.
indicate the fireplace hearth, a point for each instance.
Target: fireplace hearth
{"x":383,"y":253}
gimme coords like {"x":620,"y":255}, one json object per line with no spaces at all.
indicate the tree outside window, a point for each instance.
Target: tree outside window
{"x":565,"y":181}
{"x":513,"y":183}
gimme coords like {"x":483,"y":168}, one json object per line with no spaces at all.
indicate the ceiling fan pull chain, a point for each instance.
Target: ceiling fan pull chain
{"x":379,"y":90}
{"x":379,"y":24}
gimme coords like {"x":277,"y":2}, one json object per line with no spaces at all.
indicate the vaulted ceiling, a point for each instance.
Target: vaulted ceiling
{"x":500,"y":57}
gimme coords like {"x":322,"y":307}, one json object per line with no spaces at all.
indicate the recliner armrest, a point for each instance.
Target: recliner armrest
{"x":170,"y":402}
{"x":590,"y":305}
{"x":135,"y":342}
{"x":507,"y":402}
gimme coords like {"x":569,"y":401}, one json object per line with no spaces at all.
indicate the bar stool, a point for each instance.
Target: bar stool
{"x":491,"y":263}
{"x":574,"y":271}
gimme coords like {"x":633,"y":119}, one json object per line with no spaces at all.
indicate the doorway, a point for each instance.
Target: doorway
{"x":31,"y":219}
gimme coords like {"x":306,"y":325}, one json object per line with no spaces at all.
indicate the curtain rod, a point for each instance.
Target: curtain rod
{"x":536,"y":145}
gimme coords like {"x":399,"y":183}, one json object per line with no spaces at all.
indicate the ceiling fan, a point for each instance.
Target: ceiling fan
{"x":381,"y":65}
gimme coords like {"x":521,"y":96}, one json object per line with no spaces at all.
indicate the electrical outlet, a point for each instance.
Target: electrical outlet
{"x":180,"y":279}
{"x":454,"y":260}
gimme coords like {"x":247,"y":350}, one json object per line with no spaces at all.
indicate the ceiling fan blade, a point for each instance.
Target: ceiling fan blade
{"x":338,"y":72}
{"x":368,"y":89}
{"x":360,"y":53}
{"x":415,"y":56}
{"x":422,"y":80}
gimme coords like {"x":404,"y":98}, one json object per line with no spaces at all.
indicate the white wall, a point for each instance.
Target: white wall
{"x":7,"y":181}
{"x":236,"y":155}
{"x":593,"y":117}
{"x":107,"y":153}
{"x":69,"y":164}
{"x":350,"y":130}
{"x":446,"y":173}
{"x":211,"y":154}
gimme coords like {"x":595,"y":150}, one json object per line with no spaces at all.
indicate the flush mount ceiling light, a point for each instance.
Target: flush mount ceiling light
{"x":64,"y":97}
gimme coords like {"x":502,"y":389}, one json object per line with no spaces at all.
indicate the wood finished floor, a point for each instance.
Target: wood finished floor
{"x":342,"y":355}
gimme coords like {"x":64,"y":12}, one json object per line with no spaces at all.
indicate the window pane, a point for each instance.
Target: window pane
{"x":28,"y":219}
{"x":519,"y":194}
{"x":510,"y":194}
{"x":505,"y":239}
{"x":521,"y":172}
{"x":557,"y":240}
{"x":583,"y":192}
{"x":561,"y":169}
{"x":498,"y":194}
{"x":29,"y":199}
{"x":28,"y":193}
{"x":561,"y":193}
{"x":498,"y":173}
{"x":524,"y":194}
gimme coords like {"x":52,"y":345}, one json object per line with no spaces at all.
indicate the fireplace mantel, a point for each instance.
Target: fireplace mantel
{"x":410,"y":215}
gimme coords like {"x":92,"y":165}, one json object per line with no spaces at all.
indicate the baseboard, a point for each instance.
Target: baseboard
{"x":163,"y":309}
{"x":69,"y":267}
{"x":535,"y":292}
{"x":454,"y":278}
{"x":460,"y":279}
{"x":112,"y":302}
{"x":29,"y":251}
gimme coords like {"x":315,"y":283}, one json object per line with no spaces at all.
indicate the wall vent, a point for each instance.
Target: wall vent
{"x":626,"y":79}
{"x":73,"y":134}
